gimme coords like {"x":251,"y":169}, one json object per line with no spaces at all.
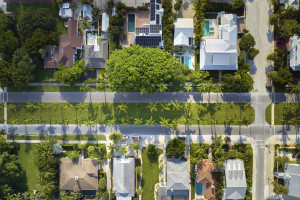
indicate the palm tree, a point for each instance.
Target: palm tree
{"x":187,"y":121}
{"x":162,"y":87}
{"x":152,"y":106}
{"x":150,"y":122}
{"x":201,"y":108}
{"x":164,"y":122}
{"x":12,"y":107}
{"x":138,"y":121}
{"x":122,"y":107}
{"x":176,"y":105}
{"x":84,"y":86}
{"x":12,"y":121}
{"x":143,"y":91}
{"x":73,"y":5}
{"x":187,"y":87}
{"x":89,"y":123}
{"x":124,"y":150}
{"x":166,"y":106}
{"x":101,"y":86}
{"x":134,"y":147}
{"x":85,"y":24}
{"x":68,"y":106}
{"x":124,"y":122}
{"x":187,"y":107}
{"x":174,"y":125}
{"x":217,"y":106}
{"x":30,"y":106}
{"x":110,"y":122}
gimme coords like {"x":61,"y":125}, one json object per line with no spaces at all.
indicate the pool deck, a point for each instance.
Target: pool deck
{"x":141,"y":17}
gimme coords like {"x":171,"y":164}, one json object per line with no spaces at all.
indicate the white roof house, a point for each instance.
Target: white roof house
{"x":87,"y":12}
{"x":235,"y":179}
{"x":184,"y":31}
{"x":124,"y":178}
{"x":105,"y":22}
{"x":221,"y":53}
{"x":292,"y":3}
{"x":65,"y":11}
{"x":295,"y":53}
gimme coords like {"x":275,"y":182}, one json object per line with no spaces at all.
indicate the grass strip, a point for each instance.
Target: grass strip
{"x":285,"y":113}
{"x":62,"y":137}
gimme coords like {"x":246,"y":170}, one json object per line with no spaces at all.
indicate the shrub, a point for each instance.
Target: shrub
{"x":236,"y":4}
{"x":74,"y":155}
{"x":245,"y":67}
{"x":175,"y":148}
{"x":57,"y":148}
{"x":247,"y":42}
{"x":253,"y":52}
{"x":142,"y":8}
{"x":241,"y":58}
{"x":70,"y":75}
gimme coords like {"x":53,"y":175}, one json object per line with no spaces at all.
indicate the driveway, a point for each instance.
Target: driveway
{"x":258,"y":12}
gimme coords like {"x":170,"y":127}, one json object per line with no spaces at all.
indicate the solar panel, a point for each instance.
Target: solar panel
{"x":158,"y":1}
{"x":157,"y":19}
{"x":152,"y":11}
{"x":148,"y":41}
{"x":152,"y":1}
{"x":155,"y":28}
{"x":140,"y":30}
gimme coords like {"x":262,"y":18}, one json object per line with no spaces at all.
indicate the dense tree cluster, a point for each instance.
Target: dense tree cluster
{"x":70,"y":75}
{"x":134,"y":69}
{"x":168,"y":25}
{"x":11,"y":172}
{"x":247,"y":44}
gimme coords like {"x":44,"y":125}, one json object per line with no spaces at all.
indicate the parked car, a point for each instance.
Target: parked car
{"x":135,"y":138}
{"x":124,"y":137}
{"x":181,"y":138}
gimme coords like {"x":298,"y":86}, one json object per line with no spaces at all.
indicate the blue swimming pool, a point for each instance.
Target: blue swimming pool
{"x":206,"y":29}
{"x":188,"y":61}
{"x":198,"y":188}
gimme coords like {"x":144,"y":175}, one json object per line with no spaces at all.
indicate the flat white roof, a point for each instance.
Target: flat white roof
{"x":105,"y":22}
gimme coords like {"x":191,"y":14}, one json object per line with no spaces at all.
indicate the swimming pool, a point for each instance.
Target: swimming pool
{"x":198,"y":188}
{"x":188,"y":61}
{"x":131,"y":22}
{"x":206,"y":29}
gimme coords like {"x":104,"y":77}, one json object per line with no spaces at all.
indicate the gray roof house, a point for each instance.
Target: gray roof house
{"x":184,"y":31}
{"x":291,"y":177}
{"x":96,"y":55}
{"x":295,"y":52}
{"x":65,"y":11}
{"x":235,"y":179}
{"x":123,"y":178}
{"x":177,"y":179}
{"x":292,"y":3}
{"x":221,"y":53}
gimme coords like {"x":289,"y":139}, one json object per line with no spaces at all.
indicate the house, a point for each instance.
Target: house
{"x":295,"y":52}
{"x":177,"y":179}
{"x":221,"y":53}
{"x":144,"y":27}
{"x":205,"y":180}
{"x":87,"y":12}
{"x":66,"y":52}
{"x":184,"y":32}
{"x":291,"y":177}
{"x":105,"y":22}
{"x":291,"y":3}
{"x":80,"y":175}
{"x":124,"y":178}
{"x":134,"y":3}
{"x":65,"y":11}
{"x":96,"y":55}
{"x":183,"y":38}
{"x":235,"y":179}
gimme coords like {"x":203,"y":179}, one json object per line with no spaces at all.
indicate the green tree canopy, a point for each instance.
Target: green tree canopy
{"x":236,"y":4}
{"x":175,"y":148}
{"x":8,"y":44}
{"x":142,"y":69}
{"x":279,"y":189}
{"x":279,"y":57}
{"x":239,"y":82}
{"x":115,"y":137}
{"x":247,"y":42}
{"x":70,"y":75}
{"x":282,"y":77}
{"x":39,"y":40}
{"x":6,"y":22}
{"x":34,"y":19}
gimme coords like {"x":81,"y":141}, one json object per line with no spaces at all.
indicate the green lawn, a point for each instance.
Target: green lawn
{"x":26,"y":158}
{"x":63,"y":137}
{"x":19,"y":8}
{"x":284,"y":113}
{"x":109,"y":113}
{"x":150,"y":174}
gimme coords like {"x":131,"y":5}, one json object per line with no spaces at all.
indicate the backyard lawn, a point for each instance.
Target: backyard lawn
{"x":164,"y":114}
{"x":19,"y":8}
{"x":285,"y":113}
{"x":26,"y":157}
{"x":150,"y":174}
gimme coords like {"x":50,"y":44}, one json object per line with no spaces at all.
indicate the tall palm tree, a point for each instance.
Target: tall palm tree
{"x":84,"y":86}
{"x":124,"y":150}
{"x":201,"y":108}
{"x":30,"y":106}
{"x":11,"y":106}
{"x":174,"y":125}
{"x":110,"y":122}
{"x":124,"y":121}
{"x":187,"y":121}
{"x":162,"y":87}
{"x":152,"y":106}
{"x":122,"y":107}
{"x":138,"y":121}
{"x":85,"y":24}
{"x":150,"y":122}
{"x":164,"y":122}
{"x":101,"y":86}
{"x":187,"y":87}
{"x":134,"y":147}
{"x":73,"y":5}
{"x":176,"y":105}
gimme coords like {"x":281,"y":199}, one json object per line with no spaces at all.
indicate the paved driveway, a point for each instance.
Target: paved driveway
{"x":258,"y":12}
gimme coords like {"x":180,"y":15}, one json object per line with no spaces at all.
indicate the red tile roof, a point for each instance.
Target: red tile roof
{"x":206,"y":174}
{"x":67,"y":47}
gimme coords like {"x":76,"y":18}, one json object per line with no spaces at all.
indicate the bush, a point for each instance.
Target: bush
{"x":175,"y":148}
{"x":142,"y":8}
{"x":236,"y":4}
{"x":70,"y":75}
{"x":282,"y":77}
{"x":241,"y":58}
{"x":151,"y":150}
{"x":74,"y":155}
{"x":245,"y":67}
{"x":239,"y":82}
{"x":247,"y":42}
{"x":253,"y":53}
